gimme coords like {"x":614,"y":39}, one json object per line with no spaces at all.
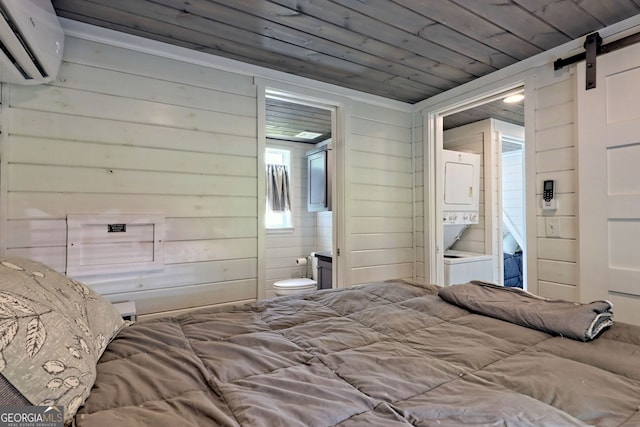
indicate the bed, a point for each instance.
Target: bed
{"x":386,"y":354}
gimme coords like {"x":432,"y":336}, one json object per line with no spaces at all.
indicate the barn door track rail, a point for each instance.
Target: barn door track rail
{"x":594,"y":47}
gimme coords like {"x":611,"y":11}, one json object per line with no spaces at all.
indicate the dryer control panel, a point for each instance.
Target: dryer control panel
{"x":455,"y":217}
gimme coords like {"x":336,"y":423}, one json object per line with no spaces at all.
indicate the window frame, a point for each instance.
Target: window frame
{"x":285,"y":222}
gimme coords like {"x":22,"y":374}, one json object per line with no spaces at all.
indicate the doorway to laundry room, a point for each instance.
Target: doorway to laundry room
{"x":486,"y":241}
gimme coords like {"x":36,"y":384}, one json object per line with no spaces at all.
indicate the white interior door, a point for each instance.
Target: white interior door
{"x":609,"y":183}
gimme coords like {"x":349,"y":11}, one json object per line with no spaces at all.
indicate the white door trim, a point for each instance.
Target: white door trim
{"x":433,"y":189}
{"x":340,"y":108}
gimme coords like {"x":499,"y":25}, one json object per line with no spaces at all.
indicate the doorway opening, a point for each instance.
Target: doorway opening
{"x":493,"y":247}
{"x":299,"y":238}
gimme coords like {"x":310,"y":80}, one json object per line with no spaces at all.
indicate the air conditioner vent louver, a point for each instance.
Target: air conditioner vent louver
{"x":31,"y":41}
{"x":13,"y":61}
{"x":25,"y":46}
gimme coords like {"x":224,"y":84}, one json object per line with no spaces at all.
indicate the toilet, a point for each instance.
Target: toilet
{"x":298,"y":285}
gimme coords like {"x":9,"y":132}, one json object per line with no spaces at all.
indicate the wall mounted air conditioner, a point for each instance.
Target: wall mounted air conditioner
{"x":31,"y":41}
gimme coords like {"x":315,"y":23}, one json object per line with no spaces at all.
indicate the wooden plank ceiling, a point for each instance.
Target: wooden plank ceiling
{"x":286,"y":120}
{"x":407,"y":50}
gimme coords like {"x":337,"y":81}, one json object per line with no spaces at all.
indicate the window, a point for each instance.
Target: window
{"x":278,"y":166}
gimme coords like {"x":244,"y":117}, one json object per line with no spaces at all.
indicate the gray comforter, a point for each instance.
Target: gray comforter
{"x":582,"y":322}
{"x":385,"y":354}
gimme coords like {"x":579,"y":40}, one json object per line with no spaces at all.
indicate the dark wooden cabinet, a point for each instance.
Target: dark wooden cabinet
{"x":324,"y":270}
{"x":319,"y":179}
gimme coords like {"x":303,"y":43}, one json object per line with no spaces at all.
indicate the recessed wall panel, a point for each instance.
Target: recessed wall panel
{"x":623,"y":170}
{"x":624,"y":244}
{"x":622,"y":96}
{"x":111,"y":244}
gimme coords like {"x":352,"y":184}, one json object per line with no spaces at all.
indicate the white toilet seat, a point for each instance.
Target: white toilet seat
{"x":294,"y":286}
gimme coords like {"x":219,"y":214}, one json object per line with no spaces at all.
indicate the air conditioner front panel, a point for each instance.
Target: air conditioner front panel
{"x":32,"y":41}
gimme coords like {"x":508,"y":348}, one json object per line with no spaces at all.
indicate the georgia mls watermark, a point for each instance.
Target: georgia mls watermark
{"x":31,"y":416}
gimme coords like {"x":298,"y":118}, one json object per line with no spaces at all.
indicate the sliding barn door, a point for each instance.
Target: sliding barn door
{"x":609,"y":183}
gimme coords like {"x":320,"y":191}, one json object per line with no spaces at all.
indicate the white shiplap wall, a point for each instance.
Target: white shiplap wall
{"x":381,"y":192}
{"x":122,"y":132}
{"x":550,"y":151}
{"x":555,"y":158}
{"x":127,"y":132}
{"x":512,"y":193}
{"x":419,"y":202}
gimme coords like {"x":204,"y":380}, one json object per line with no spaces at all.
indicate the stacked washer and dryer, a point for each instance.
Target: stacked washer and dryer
{"x":460,"y":210}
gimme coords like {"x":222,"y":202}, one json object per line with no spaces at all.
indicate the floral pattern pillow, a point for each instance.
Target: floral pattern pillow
{"x":53,"y":330}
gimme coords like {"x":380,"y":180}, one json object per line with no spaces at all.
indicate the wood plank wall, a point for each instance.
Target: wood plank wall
{"x":125,"y":132}
{"x":419,"y":202}
{"x":122,"y":132}
{"x":512,"y":188}
{"x":381,"y":193}
{"x":554,"y":272}
{"x":556,"y":158}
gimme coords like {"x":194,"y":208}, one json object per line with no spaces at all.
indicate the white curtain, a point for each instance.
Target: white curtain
{"x":278,"y":188}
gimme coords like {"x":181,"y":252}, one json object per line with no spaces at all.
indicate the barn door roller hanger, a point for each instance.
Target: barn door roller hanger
{"x":593,"y":47}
